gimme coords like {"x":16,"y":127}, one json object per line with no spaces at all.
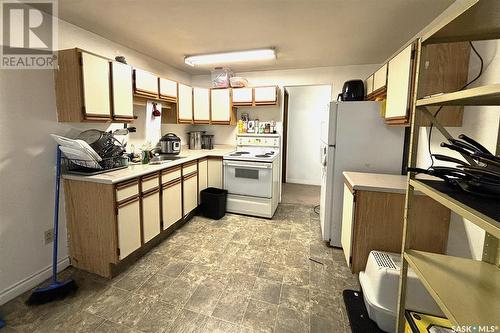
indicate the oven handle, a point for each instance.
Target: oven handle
{"x":254,"y":166}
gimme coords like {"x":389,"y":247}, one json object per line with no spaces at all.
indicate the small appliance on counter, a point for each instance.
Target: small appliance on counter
{"x":207,"y":141}
{"x":353,"y":90}
{"x":170,"y":144}
{"x":195,"y":139}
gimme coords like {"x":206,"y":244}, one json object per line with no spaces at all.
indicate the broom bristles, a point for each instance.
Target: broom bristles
{"x":53,"y":292}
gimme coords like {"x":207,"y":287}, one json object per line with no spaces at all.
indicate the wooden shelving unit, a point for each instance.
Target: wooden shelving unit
{"x":466,"y":290}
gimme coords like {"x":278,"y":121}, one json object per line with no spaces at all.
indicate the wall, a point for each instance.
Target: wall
{"x":481,"y":123}
{"x":305,"y":105}
{"x":27,"y":153}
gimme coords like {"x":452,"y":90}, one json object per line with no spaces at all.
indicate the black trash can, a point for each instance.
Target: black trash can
{"x":213,"y":202}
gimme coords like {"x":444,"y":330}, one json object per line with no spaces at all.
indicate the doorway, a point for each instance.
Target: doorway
{"x":301,"y":132}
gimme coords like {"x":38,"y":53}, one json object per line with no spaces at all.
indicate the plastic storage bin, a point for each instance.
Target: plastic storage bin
{"x":213,"y":202}
{"x":380,"y":283}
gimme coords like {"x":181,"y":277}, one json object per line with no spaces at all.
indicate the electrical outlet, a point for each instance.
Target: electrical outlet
{"x":48,"y":236}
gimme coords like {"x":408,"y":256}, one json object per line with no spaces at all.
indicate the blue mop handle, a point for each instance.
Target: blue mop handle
{"x":56,"y":216}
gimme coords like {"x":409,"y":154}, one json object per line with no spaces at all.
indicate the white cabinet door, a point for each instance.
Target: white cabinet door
{"x":168,"y":88}
{"x":96,"y":93}
{"x":398,"y":84}
{"x":202,"y":176}
{"x":185,"y":103}
{"x":151,"y":215}
{"x":146,"y":82}
{"x":221,"y":105}
{"x":201,"y":105}
{"x":214,"y":167}
{"x":190,"y":194}
{"x":172,"y":204}
{"x":121,"y":75}
{"x":243,"y":96}
{"x":265,"y":94}
{"x":369,"y":85}
{"x":129,"y":228}
{"x":347,"y":224}
{"x":380,"y":78}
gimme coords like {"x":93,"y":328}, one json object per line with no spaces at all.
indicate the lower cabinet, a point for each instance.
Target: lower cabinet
{"x":172,"y":203}
{"x":151,"y":214}
{"x":190,"y":192}
{"x":129,"y":227}
{"x":214,"y":170}
{"x":202,"y":176}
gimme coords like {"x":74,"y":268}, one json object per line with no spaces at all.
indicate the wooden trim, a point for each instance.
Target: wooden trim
{"x":150,"y":192}
{"x":166,"y":98}
{"x":380,"y":92}
{"x":203,"y":159}
{"x":190,"y":163}
{"x":171,"y":169}
{"x":349,"y":186}
{"x":220,"y":122}
{"x":127,"y":201}
{"x":215,"y":157}
{"x":88,"y":117}
{"x":127,"y":183}
{"x":143,"y":93}
{"x":190,"y":175}
{"x":123,"y":119}
{"x":150,"y":176}
{"x":172,"y":183}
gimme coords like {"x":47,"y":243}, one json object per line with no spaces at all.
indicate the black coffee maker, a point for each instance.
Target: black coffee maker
{"x":353,"y":90}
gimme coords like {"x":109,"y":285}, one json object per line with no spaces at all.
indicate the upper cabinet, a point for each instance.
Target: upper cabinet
{"x":168,"y":90}
{"x":369,"y":87}
{"x":201,"y":105}
{"x":121,"y":86}
{"x":145,"y":83}
{"x":82,"y":87}
{"x":242,"y":96}
{"x":185,"y":104}
{"x":399,"y":84}
{"x":380,"y":80}
{"x":221,"y":106}
{"x":265,"y":95}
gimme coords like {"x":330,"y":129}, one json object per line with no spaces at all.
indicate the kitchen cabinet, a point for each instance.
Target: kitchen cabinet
{"x":221,"y":106}
{"x":171,"y":196}
{"x":265,"y":95}
{"x":214,"y":171}
{"x":242,"y":96}
{"x":168,"y":90}
{"x":82,"y":82}
{"x":185,"y":104}
{"x":399,"y":85}
{"x":372,"y":218}
{"x":122,"y":95}
{"x":380,"y":79}
{"x":201,"y":105}
{"x":129,"y":227}
{"x":369,"y":86}
{"x":150,"y":200}
{"x":202,"y":176}
{"x":189,"y":187}
{"x":145,"y":83}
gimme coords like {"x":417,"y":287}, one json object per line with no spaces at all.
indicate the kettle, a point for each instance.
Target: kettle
{"x":353,"y":90}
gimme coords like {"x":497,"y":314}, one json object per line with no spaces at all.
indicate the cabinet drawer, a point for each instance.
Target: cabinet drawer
{"x":127,"y":190}
{"x":380,"y":78}
{"x":150,"y":182}
{"x":170,"y":174}
{"x":189,"y":168}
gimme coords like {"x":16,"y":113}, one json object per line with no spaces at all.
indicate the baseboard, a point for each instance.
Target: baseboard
{"x":301,"y":182}
{"x":31,"y":281}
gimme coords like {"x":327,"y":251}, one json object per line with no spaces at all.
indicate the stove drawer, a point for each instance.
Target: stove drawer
{"x":248,"y":178}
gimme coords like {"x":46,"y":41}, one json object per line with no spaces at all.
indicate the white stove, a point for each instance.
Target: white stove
{"x":252,"y":175}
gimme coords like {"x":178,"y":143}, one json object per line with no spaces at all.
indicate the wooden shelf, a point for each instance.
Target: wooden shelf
{"x":480,"y":22}
{"x":484,"y":95}
{"x":467,"y":291}
{"x":483,"y":212}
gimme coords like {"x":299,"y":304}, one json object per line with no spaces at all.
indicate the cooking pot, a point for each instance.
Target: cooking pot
{"x":195,"y":139}
{"x":170,"y":144}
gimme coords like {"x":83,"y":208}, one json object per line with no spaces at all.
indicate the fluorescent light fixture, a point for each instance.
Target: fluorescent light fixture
{"x":227,"y":57}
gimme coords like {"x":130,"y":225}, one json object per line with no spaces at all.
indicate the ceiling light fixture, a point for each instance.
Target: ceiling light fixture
{"x":227,"y":57}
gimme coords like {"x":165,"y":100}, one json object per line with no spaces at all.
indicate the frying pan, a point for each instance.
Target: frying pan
{"x":449,"y":159}
{"x":474,"y":143}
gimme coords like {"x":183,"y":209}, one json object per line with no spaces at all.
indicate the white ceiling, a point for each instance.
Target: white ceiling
{"x":306,"y":33}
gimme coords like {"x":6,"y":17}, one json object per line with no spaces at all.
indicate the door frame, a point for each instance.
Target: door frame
{"x":285,"y":135}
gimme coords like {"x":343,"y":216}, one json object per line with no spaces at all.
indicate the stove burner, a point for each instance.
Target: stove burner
{"x":239,"y":153}
{"x":263,"y":155}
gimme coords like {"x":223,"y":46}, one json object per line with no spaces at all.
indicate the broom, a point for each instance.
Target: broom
{"x":57,"y":289}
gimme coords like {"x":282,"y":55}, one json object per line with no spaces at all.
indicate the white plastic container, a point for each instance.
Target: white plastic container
{"x":380,"y":282}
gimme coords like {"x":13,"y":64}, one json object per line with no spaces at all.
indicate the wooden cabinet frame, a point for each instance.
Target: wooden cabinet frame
{"x":166,"y":98}
{"x":143,"y":93}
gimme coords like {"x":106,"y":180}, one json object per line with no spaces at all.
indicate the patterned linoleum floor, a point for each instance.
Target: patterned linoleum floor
{"x":238,"y":274}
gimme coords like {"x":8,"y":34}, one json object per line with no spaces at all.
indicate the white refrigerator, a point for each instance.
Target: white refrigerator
{"x":353,"y":137}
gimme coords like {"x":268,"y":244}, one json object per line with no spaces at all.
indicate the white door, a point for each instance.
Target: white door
{"x":96,"y":92}
{"x":248,"y":178}
{"x":221,"y":105}
{"x":347,"y":224}
{"x":326,"y":193}
{"x":151,"y":215}
{"x":214,"y":173}
{"x":168,"y":88}
{"x":190,"y":194}
{"x":185,"y":103}
{"x":265,"y":94}
{"x":201,"y":104}
{"x":202,"y":176}
{"x":243,"y":96}
{"x":146,"y":82}
{"x":398,"y":84}
{"x":172,"y":204}
{"x":129,"y":228}
{"x":122,"y":90}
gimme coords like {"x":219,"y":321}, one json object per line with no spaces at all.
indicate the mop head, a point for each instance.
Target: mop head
{"x":55,"y":291}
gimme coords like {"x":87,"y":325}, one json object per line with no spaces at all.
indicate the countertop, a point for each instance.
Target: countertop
{"x":137,"y":170}
{"x":376,"y":182}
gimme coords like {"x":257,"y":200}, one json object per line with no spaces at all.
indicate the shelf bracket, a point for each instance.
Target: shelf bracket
{"x":443,"y":131}
{"x":491,"y":249}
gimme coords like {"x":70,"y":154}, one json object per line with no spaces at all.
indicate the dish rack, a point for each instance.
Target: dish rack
{"x":89,"y":168}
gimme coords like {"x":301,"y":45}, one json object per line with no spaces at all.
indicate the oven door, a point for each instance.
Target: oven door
{"x":248,"y":178}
